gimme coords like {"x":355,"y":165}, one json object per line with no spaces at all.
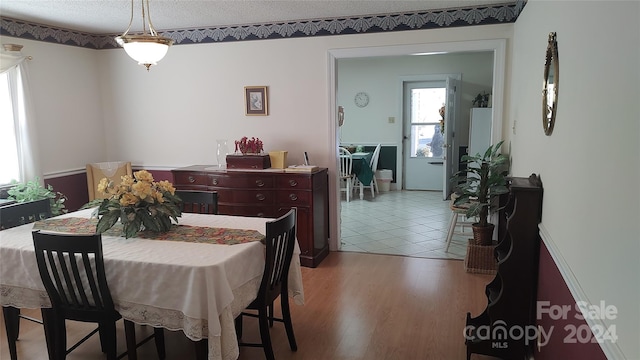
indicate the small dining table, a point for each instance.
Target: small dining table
{"x":194,"y":287}
{"x":361,"y":168}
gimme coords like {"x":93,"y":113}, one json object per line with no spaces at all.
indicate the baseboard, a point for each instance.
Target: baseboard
{"x":610,"y":350}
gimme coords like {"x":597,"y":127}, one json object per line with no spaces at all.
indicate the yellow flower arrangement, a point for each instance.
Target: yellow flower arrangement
{"x":138,"y":201}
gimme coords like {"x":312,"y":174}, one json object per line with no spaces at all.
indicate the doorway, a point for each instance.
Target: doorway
{"x":496,"y":47}
{"x":429,"y":117}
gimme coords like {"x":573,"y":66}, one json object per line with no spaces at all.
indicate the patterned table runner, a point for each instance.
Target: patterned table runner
{"x":187,"y":233}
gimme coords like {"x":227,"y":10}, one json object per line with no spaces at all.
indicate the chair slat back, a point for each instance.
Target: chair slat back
{"x":201,"y":202}
{"x":280,"y":241}
{"x":23,"y":213}
{"x":374,"y":158}
{"x":346,"y":162}
{"x":72,"y":270}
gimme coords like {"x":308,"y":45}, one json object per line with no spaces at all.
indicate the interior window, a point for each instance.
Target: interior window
{"x":426,"y":134}
{"x":9,"y":167}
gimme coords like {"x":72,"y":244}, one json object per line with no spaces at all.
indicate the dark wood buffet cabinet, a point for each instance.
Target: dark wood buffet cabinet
{"x":269,"y":193}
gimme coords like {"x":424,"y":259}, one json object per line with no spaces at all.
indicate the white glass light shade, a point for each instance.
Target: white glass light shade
{"x":145,"y":49}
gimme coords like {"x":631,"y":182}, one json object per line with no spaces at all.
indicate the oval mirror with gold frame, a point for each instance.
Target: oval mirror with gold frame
{"x":550,"y":85}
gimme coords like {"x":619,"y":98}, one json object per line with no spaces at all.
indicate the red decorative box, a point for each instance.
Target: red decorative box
{"x":248,"y":162}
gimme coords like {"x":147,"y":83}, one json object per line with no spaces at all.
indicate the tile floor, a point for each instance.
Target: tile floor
{"x":409,"y":223}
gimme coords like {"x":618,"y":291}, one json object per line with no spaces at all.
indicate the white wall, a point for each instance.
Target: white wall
{"x":67,"y":104}
{"x":380,"y":77}
{"x":590,"y":165}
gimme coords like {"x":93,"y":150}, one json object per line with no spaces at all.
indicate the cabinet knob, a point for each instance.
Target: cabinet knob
{"x":293,"y":182}
{"x":259,"y":183}
{"x":192,"y":179}
{"x":215,"y":181}
{"x":260,"y":214}
{"x":260,"y":197}
{"x":254,"y":166}
{"x":293,"y":197}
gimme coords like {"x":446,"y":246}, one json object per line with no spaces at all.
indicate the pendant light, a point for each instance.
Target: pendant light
{"x":147,"y":48}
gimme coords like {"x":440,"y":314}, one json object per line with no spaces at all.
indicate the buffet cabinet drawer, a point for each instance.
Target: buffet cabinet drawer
{"x":190,"y":178}
{"x":294,"y":181}
{"x":257,"y":197}
{"x":294,"y":197}
{"x":246,"y":182}
{"x":249,"y":210}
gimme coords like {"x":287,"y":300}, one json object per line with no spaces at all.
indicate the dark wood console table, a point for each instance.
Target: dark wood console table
{"x":269,"y":193}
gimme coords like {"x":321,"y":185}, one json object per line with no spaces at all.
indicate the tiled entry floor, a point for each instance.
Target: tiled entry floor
{"x":410,"y":223}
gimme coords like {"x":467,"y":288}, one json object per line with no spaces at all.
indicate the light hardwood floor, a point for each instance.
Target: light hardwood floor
{"x":358,"y":306}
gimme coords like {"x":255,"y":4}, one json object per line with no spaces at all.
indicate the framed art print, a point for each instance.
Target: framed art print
{"x":256,"y":101}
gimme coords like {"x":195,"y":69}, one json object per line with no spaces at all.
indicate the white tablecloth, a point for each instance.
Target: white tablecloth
{"x":193,"y":287}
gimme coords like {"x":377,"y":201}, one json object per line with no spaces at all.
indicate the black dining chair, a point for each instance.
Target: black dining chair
{"x":13,"y":215}
{"x":279,"y":241}
{"x":72,"y":270}
{"x":201,"y":202}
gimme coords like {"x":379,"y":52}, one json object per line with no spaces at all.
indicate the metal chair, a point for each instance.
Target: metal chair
{"x":201,"y":202}
{"x":346,"y":166}
{"x":72,"y":270}
{"x":280,"y":241}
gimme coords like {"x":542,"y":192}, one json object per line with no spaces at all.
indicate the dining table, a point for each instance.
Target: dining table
{"x":361,"y":168}
{"x":196,"y":282}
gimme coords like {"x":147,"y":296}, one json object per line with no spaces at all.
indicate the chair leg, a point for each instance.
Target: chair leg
{"x":202,"y":349}
{"x":452,"y":228}
{"x":348,"y":186}
{"x":108,"y":337}
{"x":158,"y":335}
{"x":238,"y":324}
{"x":130,"y":336}
{"x":103,"y":340}
{"x":265,"y":336}
{"x":270,"y":316}
{"x":288,"y":325}
{"x":55,"y":333}
{"x":48,"y":322}
{"x":12,"y":326}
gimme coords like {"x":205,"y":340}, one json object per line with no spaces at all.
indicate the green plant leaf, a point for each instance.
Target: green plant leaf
{"x":107,"y":221}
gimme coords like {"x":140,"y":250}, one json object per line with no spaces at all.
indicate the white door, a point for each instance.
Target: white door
{"x":449,"y":141}
{"x":427,"y":148}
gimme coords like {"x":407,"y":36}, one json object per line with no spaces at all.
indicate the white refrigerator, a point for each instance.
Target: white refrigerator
{"x":479,"y":130}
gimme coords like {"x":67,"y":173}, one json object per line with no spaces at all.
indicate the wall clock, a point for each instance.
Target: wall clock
{"x":361,"y":99}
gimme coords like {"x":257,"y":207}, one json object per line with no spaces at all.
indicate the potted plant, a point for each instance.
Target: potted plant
{"x":479,"y":187}
{"x":33,"y":190}
{"x":481,"y":100}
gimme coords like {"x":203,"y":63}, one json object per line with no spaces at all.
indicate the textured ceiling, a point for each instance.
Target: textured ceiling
{"x":112,"y":16}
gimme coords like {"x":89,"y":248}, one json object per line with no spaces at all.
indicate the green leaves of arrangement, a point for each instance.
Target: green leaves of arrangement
{"x":154,"y":217}
{"x":483,"y":181}
{"x":33,"y":190}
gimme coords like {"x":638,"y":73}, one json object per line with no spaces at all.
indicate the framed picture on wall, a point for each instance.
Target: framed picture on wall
{"x":256,"y":101}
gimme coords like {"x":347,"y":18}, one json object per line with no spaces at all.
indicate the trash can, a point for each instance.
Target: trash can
{"x":383,"y":178}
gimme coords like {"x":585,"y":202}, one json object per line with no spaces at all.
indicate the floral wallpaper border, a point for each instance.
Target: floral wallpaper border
{"x":492,"y":14}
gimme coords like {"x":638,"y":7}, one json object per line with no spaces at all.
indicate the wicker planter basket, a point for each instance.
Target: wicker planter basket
{"x":482,"y":235}
{"x":480,"y":259}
